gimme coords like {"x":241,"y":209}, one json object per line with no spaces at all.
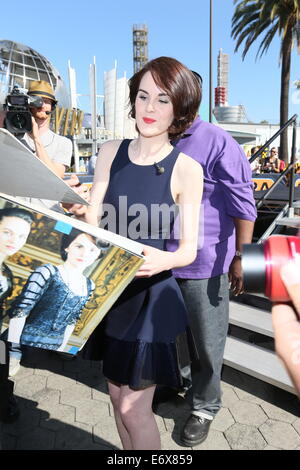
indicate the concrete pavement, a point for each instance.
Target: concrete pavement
{"x":64,"y":405}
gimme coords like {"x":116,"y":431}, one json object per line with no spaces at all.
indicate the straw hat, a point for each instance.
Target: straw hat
{"x":41,"y":88}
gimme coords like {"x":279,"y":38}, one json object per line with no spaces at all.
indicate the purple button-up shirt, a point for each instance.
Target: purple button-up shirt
{"x":227,"y":194}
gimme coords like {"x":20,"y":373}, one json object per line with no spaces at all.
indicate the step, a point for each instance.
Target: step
{"x":257,"y":362}
{"x":251,"y":318}
{"x":289,"y":222}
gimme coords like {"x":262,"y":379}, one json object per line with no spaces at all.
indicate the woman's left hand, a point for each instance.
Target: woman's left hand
{"x":156,"y":261}
{"x":78,"y":210}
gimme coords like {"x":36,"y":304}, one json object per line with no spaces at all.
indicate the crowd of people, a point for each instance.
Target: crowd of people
{"x":267,"y":164}
{"x":168,"y":328}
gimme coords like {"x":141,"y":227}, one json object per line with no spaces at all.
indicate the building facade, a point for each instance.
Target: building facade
{"x":20,"y":64}
{"x":140,"y":46}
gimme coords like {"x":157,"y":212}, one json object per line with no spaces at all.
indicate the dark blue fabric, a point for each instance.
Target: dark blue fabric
{"x":141,"y":184}
{"x":145,"y":331}
{"x":49,"y":305}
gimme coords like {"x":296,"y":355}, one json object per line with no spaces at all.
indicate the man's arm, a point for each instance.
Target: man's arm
{"x":244,"y":231}
{"x":56,"y":167}
{"x":233,"y":172}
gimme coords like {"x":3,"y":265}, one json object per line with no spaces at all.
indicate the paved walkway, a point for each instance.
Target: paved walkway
{"x":65,"y":405}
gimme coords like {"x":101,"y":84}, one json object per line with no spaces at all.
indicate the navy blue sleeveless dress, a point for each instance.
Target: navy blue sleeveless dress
{"x":146,"y":335}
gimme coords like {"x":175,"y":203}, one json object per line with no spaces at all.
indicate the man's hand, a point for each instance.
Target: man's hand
{"x":244,"y":231}
{"x":34,"y":134}
{"x":82,"y":190}
{"x":2,"y":118}
{"x":235,"y":276}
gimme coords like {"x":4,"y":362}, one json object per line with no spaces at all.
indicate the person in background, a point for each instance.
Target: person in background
{"x":52,"y":149}
{"x":272,"y":163}
{"x":281,"y":165}
{"x":255,"y":165}
{"x":226,"y":223}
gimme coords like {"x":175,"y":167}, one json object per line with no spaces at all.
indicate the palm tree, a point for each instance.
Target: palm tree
{"x":269,"y":17}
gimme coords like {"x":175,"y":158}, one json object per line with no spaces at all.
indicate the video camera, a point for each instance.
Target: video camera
{"x":261,"y":264}
{"x":18,"y":116}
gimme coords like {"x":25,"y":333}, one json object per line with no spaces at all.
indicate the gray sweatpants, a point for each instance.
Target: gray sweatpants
{"x":207,"y":302}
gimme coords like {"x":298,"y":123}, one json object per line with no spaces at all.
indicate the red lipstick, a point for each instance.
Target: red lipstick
{"x":148,"y":120}
{"x":10,"y":247}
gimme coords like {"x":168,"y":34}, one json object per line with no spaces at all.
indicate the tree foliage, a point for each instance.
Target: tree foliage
{"x":253,"y":18}
{"x":263,"y":20}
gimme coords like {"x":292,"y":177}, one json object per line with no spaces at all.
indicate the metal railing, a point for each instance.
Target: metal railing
{"x":290,"y":168}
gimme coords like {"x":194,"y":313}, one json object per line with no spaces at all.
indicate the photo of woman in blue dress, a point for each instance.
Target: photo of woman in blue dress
{"x":51,"y":302}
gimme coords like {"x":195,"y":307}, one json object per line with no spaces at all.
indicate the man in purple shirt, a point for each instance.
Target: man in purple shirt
{"x":226,"y":223}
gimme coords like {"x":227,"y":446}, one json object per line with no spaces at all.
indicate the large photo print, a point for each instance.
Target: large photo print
{"x":57,"y":281}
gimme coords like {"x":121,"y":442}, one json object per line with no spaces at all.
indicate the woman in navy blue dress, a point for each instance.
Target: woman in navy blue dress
{"x":146,"y":332}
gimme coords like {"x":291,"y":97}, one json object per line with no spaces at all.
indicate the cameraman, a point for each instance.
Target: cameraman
{"x":56,"y":152}
{"x":52,"y":149}
{"x":286,"y":323}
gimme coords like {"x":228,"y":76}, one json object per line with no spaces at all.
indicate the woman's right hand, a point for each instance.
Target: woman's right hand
{"x":156,"y":261}
{"x":286,"y":323}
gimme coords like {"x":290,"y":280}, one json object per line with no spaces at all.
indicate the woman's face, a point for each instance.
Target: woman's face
{"x":13,"y":234}
{"x":82,"y":252}
{"x":153,"y":108}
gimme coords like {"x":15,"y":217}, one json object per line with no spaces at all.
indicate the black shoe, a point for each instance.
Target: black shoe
{"x":12,"y":411}
{"x":163,"y":394}
{"x":195,"y":430}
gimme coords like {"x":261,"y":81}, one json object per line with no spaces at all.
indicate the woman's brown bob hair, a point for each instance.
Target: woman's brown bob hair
{"x":179,"y":83}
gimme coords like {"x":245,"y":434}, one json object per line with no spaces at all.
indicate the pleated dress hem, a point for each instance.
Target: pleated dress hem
{"x":145,"y":364}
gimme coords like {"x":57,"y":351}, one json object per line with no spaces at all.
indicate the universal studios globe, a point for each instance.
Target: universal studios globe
{"x":19,"y":64}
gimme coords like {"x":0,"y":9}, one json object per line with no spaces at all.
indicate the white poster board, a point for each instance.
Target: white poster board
{"x":23,"y":174}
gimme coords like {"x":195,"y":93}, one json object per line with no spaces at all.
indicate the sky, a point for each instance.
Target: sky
{"x":64,"y":30}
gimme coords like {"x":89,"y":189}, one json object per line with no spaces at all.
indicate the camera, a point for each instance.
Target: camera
{"x":18,"y":116}
{"x":261,"y":264}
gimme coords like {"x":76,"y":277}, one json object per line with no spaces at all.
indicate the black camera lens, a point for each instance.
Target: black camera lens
{"x":19,"y":121}
{"x":254,"y":268}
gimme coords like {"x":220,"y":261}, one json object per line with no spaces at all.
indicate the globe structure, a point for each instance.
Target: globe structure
{"x":20,"y":64}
